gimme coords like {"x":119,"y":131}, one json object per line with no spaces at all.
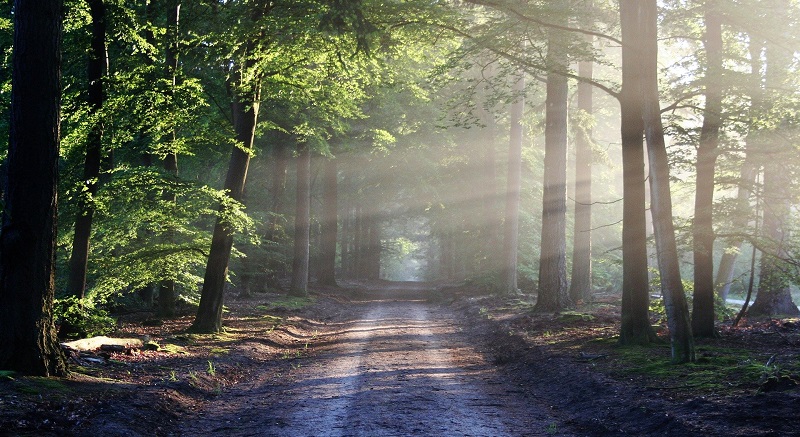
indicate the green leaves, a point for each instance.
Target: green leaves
{"x":141,"y":236}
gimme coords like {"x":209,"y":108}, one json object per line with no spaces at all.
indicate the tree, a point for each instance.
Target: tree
{"x":245,"y":114}
{"x":166,"y":289}
{"x":661,"y":203}
{"x":28,"y":341}
{"x":580,"y":286}
{"x":327,"y":273}
{"x":302,"y":223}
{"x":553,"y":288}
{"x":513,"y":187}
{"x":94,"y":153}
{"x":774,"y":295}
{"x":747,"y":174}
{"x":703,"y":226}
{"x":635,"y":327}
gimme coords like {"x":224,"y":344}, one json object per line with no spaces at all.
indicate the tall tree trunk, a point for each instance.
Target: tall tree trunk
{"x":166,"y":289}
{"x":79,"y":260}
{"x":330,"y":223}
{"x":358,"y":244}
{"x":513,"y":188}
{"x":373,"y":259}
{"x":580,"y":287}
{"x":553,"y":291}
{"x":280,"y":157}
{"x":209,"y":313}
{"x":677,"y":308}
{"x":747,"y":175}
{"x":302,"y":224}
{"x":635,"y":327}
{"x":774,"y":294}
{"x":28,"y":342}
{"x":347,"y":233}
{"x":703,"y":226}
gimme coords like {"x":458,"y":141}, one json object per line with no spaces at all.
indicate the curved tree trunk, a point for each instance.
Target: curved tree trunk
{"x":553,"y":288}
{"x":513,"y":187}
{"x":302,"y":224}
{"x":703,"y":226}
{"x":209,"y":313}
{"x":28,"y":342}
{"x":78,"y":262}
{"x":635,"y":327}
{"x":677,"y":308}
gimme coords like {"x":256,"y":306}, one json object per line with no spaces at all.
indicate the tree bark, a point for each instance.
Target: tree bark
{"x":635,"y":327}
{"x":330,"y":223}
{"x":513,"y":188}
{"x":373,"y":258}
{"x":677,"y":308}
{"x":553,"y":291}
{"x":774,"y":294}
{"x":747,"y":178}
{"x":166,"y":289}
{"x":703,"y":226}
{"x":28,"y":342}
{"x":209,"y":313}
{"x":79,"y":260}
{"x":580,"y":287}
{"x":302,"y":224}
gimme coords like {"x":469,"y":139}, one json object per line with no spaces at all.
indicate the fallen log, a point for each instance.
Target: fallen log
{"x":94,"y":343}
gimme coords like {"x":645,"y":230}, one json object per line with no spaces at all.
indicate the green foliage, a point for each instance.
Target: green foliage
{"x":80,"y":318}
{"x":143,"y":237}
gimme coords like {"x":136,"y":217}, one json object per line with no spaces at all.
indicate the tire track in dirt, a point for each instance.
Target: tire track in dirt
{"x":403,"y":368}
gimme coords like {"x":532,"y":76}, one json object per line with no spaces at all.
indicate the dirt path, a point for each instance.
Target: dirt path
{"x":402,"y":367}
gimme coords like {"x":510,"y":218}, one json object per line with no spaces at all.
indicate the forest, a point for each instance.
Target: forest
{"x":629,"y":166}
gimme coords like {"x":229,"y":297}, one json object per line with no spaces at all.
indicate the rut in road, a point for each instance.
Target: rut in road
{"x":403,"y":368}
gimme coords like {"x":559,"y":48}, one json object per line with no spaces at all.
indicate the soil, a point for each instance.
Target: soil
{"x":399,"y":359}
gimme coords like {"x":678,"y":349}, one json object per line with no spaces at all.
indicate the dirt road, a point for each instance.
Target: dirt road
{"x":402,"y":367}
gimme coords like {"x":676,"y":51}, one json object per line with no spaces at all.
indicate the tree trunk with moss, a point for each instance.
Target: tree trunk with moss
{"x":28,"y":342}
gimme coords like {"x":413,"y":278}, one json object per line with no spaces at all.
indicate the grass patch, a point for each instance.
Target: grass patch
{"x":716,"y":368}
{"x":220,"y":351}
{"x":172,"y":348}
{"x":287,"y":303}
{"x":37,"y":385}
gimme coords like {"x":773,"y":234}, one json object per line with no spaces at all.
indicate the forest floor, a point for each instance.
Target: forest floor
{"x":398,"y":359}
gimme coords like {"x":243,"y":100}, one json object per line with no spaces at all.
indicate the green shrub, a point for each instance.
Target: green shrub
{"x":80,"y":318}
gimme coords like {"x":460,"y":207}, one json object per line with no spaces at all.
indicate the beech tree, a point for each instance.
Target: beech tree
{"x":580,"y":286}
{"x":635,"y":327}
{"x":28,"y":341}
{"x":552,"y":295}
{"x":703,"y":315}
{"x":774,"y":295}
{"x":96,"y":67}
{"x":513,"y":187}
{"x":302,"y":223}
{"x":661,"y":202}
{"x":327,"y":273}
